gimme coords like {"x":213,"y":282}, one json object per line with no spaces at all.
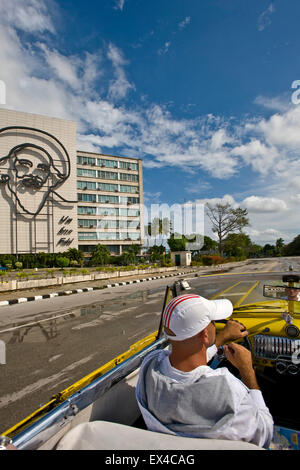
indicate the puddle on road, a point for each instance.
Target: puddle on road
{"x":41,"y":329}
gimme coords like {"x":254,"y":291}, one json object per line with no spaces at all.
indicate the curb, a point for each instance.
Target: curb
{"x":84,"y":289}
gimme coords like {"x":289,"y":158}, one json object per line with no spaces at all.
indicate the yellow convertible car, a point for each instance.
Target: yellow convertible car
{"x":106,"y":397}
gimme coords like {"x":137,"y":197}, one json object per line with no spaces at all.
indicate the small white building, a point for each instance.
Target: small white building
{"x":181,"y":258}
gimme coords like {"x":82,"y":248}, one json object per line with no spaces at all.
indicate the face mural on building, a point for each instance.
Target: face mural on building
{"x":35,"y":169}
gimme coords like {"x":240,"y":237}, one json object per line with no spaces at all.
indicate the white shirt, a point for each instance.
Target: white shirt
{"x":251,"y":422}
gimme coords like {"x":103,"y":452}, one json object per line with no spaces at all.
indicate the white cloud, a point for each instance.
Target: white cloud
{"x":120,"y":86}
{"x":275,"y":103}
{"x":163,"y":50}
{"x":264,"y":19}
{"x":264,"y":204}
{"x":30,"y":16}
{"x":64,"y":68}
{"x":119,"y":5}
{"x":184,"y":22}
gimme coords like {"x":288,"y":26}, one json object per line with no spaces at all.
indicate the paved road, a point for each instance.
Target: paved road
{"x":51,"y":344}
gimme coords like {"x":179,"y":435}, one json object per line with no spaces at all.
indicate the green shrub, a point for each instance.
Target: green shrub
{"x":84,"y":271}
{"x":63,"y":262}
{"x":212,"y":260}
{"x":74,"y":262}
{"x":22,"y":275}
{"x":18,"y":265}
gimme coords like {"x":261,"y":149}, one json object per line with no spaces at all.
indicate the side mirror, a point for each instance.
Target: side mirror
{"x":282,"y":292}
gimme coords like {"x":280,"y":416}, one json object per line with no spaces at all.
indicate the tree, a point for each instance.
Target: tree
{"x":100,"y":255}
{"x":156,"y":253}
{"x":279,"y":246}
{"x":237,"y":245}
{"x":255,"y":251}
{"x":292,"y":248}
{"x":75,"y":255}
{"x":177,"y":242}
{"x":209,"y":244}
{"x":225,"y":220}
{"x":269,"y":250}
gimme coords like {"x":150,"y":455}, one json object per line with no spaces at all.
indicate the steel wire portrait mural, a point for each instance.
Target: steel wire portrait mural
{"x":32,"y":168}
{"x":33,"y":172}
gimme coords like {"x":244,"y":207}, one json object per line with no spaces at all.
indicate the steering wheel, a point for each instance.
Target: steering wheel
{"x":220,"y":356}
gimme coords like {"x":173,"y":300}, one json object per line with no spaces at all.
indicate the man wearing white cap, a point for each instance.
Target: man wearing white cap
{"x":179,"y":394}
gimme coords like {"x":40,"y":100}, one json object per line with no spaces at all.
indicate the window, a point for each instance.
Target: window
{"x":86,"y":223}
{"x":108,"y":175}
{"x":85,"y":210}
{"x":86,"y":197}
{"x":107,"y":211}
{"x":86,"y":185}
{"x":115,"y":249}
{"x":107,"y":163}
{"x":129,"y":200}
{"x":86,"y":172}
{"x":108,"y":199}
{"x":133,"y":224}
{"x":128,"y":189}
{"x":87,"y":236}
{"x":128,"y":166}
{"x":98,"y":236}
{"x":108,"y":187}
{"x":129,"y":177}
{"x":81,"y":160}
{"x":130,"y":212}
{"x":129,"y":236}
{"x":107,"y":236}
{"x":105,"y":223}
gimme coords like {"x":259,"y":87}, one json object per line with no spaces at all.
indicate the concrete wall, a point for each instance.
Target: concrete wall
{"x":59,"y":280}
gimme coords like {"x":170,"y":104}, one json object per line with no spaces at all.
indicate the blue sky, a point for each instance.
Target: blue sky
{"x":200,"y":90}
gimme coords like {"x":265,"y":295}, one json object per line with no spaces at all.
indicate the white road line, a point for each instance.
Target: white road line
{"x":35,"y":323}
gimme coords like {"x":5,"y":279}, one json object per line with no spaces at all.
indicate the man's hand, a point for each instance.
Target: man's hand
{"x":233,"y":330}
{"x":238,"y":356}
{"x":241,"y":358}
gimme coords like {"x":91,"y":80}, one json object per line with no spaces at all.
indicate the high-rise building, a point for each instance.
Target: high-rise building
{"x":53,"y":198}
{"x":110,"y":202}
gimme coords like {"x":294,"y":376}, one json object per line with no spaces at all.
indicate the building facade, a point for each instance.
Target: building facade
{"x":53,"y":198}
{"x":110,"y":202}
{"x":38,"y":210}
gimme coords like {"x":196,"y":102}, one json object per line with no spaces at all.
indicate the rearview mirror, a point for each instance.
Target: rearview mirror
{"x":282,"y":292}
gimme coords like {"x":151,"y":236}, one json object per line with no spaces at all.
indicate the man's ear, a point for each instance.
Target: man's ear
{"x":203,"y":335}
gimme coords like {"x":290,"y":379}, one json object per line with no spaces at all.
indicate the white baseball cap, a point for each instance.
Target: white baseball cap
{"x":187,"y":315}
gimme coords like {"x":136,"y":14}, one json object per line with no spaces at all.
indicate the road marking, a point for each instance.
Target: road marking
{"x":35,"y":323}
{"x":226,"y":290}
{"x":237,"y":293}
{"x":232,"y":274}
{"x":246,"y":294}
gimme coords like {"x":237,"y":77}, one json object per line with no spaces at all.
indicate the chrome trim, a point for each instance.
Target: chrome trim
{"x":270,"y":347}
